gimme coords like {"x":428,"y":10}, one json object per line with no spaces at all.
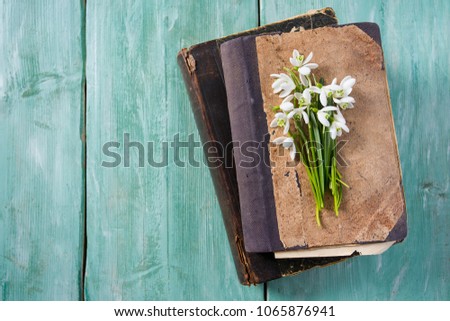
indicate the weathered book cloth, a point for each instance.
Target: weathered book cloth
{"x":201,"y":67}
{"x":277,"y":206}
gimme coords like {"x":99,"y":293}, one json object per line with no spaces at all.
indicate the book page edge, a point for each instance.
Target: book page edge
{"x":329,"y":251}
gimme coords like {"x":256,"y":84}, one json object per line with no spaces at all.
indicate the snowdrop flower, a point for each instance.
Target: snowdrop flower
{"x":323,"y":92}
{"x":281,"y":120}
{"x":304,"y":65}
{"x":288,"y":143}
{"x":283,"y":84}
{"x":338,"y":125}
{"x":288,"y":107}
{"x":340,"y":93}
{"x":344,"y":103}
{"x":286,"y":104}
{"x":323,"y":115}
{"x":301,"y":112}
{"x":342,"y":90}
{"x":304,"y":99}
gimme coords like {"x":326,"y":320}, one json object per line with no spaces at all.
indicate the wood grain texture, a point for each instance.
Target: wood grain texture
{"x":153,"y":233}
{"x":41,"y":181}
{"x":156,"y":233}
{"x":415,"y":38}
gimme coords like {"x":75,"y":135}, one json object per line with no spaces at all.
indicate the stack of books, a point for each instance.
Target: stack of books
{"x":266,"y":199}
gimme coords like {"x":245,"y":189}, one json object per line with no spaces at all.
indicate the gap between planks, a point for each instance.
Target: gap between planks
{"x":84,"y":149}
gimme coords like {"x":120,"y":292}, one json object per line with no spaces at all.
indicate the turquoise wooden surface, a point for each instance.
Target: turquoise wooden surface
{"x":153,"y":233}
{"x":41,"y":176}
{"x":156,"y":233}
{"x":415,"y":37}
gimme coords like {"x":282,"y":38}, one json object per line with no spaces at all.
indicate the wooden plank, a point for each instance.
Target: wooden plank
{"x":153,"y":233}
{"x":41,"y":181}
{"x":416,"y":42}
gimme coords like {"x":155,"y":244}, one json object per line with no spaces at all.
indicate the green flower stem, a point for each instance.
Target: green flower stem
{"x":320,"y":159}
{"x":317,"y":167}
{"x":336,"y":187}
{"x":327,"y":153}
{"x":318,"y":198}
{"x":316,"y":162}
{"x":333,"y":185}
{"x":342,"y":182}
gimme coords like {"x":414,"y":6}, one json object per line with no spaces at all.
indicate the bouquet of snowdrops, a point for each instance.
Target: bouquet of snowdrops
{"x":311,"y":118}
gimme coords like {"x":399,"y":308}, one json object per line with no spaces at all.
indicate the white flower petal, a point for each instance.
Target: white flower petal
{"x":284,"y":93}
{"x":333,"y":132}
{"x":286,"y":128}
{"x":288,"y":98}
{"x":333,"y":87}
{"x":339,"y":117}
{"x":279,"y":140}
{"x":287,"y":106}
{"x":329,"y":108}
{"x":322,"y":119}
{"x":292,"y":114}
{"x":344,"y":80}
{"x":339,"y":120}
{"x":305,"y":117}
{"x":304,"y":71}
{"x":275,"y":75}
{"x":277,"y":83}
{"x":344,"y":127}
{"x":298,"y":95}
{"x":311,"y":65}
{"x":304,"y":80}
{"x":292,"y":152}
{"x":307,"y":96}
{"x":308,"y":59}
{"x":295,"y":53}
{"x":348,"y":99}
{"x":348,"y":83}
{"x":315,"y":89}
{"x":288,"y":142}
{"x":323,"y":98}
{"x":280,"y":116}
{"x":294,"y":62}
{"x":274,"y":123}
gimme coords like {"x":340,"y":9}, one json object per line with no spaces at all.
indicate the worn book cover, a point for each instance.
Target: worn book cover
{"x":201,"y":67}
{"x":276,"y":201}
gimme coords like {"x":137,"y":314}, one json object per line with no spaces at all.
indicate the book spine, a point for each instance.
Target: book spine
{"x":229,"y":204}
{"x":251,"y":138}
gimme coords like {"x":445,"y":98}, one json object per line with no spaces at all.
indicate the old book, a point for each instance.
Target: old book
{"x":201,"y":67}
{"x":277,"y":205}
